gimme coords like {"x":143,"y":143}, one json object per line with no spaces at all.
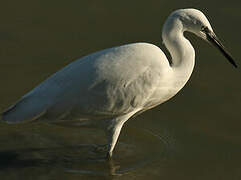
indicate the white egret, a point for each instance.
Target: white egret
{"x":106,"y":88}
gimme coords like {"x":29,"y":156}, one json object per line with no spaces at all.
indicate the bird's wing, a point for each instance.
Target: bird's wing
{"x":107,"y":83}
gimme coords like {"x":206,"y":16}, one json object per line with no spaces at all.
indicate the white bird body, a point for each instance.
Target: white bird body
{"x":116,"y":83}
{"x":97,"y":86}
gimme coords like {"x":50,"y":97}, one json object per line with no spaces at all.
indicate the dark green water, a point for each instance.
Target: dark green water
{"x":195,"y":135}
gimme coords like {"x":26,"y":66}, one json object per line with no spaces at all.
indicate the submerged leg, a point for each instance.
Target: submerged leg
{"x":112,"y":131}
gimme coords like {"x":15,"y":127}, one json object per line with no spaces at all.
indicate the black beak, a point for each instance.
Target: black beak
{"x":212,"y":38}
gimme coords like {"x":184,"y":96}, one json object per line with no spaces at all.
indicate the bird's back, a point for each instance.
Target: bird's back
{"x":110,"y":82}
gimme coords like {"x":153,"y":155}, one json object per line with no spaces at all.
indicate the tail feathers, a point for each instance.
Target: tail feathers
{"x":2,"y":114}
{"x":24,"y":110}
{"x":8,"y":109}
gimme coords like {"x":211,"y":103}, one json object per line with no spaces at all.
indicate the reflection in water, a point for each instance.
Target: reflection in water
{"x":139,"y":154}
{"x":83,"y":159}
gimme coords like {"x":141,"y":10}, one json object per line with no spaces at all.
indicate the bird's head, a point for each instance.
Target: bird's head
{"x":194,"y":21}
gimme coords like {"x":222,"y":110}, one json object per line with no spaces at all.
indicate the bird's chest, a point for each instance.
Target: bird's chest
{"x":167,"y":87}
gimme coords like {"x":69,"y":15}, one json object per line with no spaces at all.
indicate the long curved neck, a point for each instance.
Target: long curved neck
{"x":181,"y":50}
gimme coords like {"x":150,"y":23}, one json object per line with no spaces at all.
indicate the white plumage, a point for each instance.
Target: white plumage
{"x":106,"y":88}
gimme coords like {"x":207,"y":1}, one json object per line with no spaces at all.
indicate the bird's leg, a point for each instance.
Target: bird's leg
{"x":113,"y":132}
